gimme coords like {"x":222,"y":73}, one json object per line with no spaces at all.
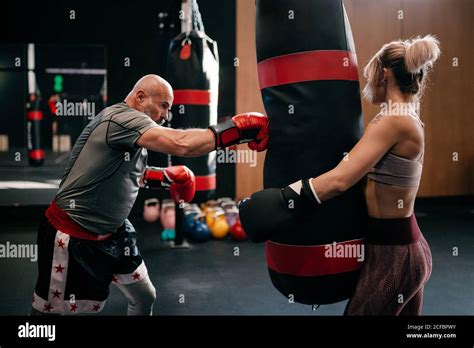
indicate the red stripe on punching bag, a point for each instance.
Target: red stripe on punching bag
{"x":308,"y":66}
{"x":192,"y":97}
{"x":206,"y":183}
{"x":36,"y":154}
{"x":34,"y":115}
{"x":314,"y":260}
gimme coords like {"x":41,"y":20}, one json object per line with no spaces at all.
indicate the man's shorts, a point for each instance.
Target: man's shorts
{"x":75,"y":274}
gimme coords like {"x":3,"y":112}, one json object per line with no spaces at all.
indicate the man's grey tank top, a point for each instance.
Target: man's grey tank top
{"x":101,"y":181}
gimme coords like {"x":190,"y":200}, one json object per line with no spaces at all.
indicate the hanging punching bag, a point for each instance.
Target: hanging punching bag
{"x":193,"y":71}
{"x":34,"y":119}
{"x":34,"y":114}
{"x":307,"y":70}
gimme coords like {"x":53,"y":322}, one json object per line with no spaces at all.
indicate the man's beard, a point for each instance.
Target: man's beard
{"x":160,"y":122}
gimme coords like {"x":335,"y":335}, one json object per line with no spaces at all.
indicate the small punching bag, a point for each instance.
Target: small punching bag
{"x":307,"y":70}
{"x":193,"y":72}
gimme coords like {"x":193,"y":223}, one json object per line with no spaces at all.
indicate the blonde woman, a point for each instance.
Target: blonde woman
{"x":398,"y":259}
{"x":390,"y":155}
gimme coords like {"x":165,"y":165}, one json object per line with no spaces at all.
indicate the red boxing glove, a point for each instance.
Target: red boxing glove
{"x":179,"y":180}
{"x":251,"y":127}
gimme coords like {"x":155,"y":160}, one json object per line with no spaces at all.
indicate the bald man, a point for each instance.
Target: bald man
{"x":85,"y":240}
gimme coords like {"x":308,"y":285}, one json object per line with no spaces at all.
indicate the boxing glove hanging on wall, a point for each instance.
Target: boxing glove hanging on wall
{"x":193,"y":72}
{"x":307,"y":71}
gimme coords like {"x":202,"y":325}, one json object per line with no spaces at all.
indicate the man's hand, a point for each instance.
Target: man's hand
{"x":179,"y":180}
{"x":251,"y":127}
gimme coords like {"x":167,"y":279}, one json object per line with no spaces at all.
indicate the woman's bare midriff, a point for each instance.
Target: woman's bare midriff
{"x":389,"y":202}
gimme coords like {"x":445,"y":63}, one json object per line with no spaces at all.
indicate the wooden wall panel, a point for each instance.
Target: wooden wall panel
{"x":248,"y":179}
{"x":373,"y":23}
{"x":446,"y":107}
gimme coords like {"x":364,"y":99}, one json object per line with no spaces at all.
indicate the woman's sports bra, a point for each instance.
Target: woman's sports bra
{"x":398,"y":171}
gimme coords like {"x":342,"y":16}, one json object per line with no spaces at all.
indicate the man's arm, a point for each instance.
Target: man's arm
{"x":178,"y":142}
{"x":251,"y":128}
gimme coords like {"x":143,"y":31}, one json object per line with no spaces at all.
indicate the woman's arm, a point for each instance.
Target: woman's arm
{"x":301,"y":198}
{"x":382,"y":133}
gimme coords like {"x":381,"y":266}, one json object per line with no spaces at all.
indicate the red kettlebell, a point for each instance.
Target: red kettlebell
{"x":237,"y":232}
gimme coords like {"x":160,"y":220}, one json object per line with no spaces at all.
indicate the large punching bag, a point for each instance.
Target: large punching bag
{"x":307,"y":70}
{"x":193,"y":72}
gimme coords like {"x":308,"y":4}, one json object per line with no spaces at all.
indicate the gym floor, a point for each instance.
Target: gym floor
{"x":215,"y":281}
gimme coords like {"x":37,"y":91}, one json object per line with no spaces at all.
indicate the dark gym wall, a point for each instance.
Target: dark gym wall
{"x":12,"y":97}
{"x":128,"y":30}
{"x":446,"y":107}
